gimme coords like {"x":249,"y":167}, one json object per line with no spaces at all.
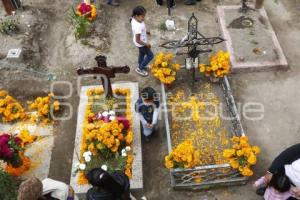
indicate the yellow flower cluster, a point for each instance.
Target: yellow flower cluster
{"x":242,"y":155}
{"x":184,"y":155}
{"x":10,"y":109}
{"x":128,"y":169}
{"x":219,"y":65}
{"x":43,"y":107}
{"x":109,"y":134}
{"x":26,"y":138}
{"x":164,"y":69}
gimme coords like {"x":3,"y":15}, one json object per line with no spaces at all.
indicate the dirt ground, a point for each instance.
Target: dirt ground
{"x":50,"y":48}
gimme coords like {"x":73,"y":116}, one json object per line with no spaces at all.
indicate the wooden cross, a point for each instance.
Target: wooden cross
{"x":108,"y":72}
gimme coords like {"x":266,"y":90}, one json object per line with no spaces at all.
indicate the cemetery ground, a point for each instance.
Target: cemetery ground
{"x":50,"y":48}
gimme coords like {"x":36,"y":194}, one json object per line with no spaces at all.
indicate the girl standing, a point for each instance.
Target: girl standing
{"x":140,"y":39}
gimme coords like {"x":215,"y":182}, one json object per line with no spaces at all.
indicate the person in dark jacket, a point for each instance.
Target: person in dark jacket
{"x":115,"y":186}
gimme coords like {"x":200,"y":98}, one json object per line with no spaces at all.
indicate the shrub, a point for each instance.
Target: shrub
{"x":8,"y":186}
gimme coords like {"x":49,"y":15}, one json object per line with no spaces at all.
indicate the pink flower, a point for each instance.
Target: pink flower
{"x":84,"y":8}
{"x":18,"y":140}
{"x":4,"y":139}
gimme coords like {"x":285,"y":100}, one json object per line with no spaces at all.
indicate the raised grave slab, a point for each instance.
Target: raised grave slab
{"x":250,"y":39}
{"x":39,"y":152}
{"x":136,"y":183}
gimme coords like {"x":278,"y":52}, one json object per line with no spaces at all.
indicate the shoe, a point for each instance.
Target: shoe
{"x":189,"y":2}
{"x":141,"y":72}
{"x":113,"y":4}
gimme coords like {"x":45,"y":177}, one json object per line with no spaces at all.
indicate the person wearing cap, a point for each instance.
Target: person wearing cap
{"x":148,"y":107}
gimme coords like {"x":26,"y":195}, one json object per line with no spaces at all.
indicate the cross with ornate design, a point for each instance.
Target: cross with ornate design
{"x":108,"y":72}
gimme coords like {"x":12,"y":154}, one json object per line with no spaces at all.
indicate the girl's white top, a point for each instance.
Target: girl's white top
{"x":138,"y":28}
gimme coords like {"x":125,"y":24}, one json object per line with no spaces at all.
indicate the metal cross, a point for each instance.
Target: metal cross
{"x":108,"y":72}
{"x":194,"y":40}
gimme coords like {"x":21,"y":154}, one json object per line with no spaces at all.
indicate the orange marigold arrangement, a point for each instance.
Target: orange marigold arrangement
{"x":219,"y":65}
{"x":164,"y":69}
{"x":242,"y":156}
{"x":107,"y":135}
{"x":10,"y":109}
{"x":183,"y":156}
{"x":18,"y":171}
{"x":44,"y":107}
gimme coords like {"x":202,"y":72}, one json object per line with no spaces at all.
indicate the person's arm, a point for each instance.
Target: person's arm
{"x":155,"y":115}
{"x":144,"y":122}
{"x":139,"y":41}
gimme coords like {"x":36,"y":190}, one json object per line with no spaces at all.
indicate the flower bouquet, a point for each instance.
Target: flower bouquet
{"x":242,"y":155}
{"x":87,"y":10}
{"x":44,"y":107}
{"x":183,"y":156}
{"x":219,"y":66}
{"x":10,"y":109}
{"x":164,"y":69}
{"x":10,"y":149}
{"x":107,"y":135}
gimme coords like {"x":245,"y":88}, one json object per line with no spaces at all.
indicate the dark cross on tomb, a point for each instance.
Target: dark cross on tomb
{"x":195,"y":42}
{"x":108,"y":72}
{"x":245,"y":7}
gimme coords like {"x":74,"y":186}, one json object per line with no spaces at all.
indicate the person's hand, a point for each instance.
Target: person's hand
{"x":149,"y":33}
{"x":148,"y":45}
{"x":296,"y":191}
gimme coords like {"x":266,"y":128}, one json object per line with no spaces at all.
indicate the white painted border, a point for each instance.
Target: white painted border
{"x":137,"y":172}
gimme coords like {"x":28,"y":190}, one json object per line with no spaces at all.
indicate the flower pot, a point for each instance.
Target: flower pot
{"x":214,"y":79}
{"x":259,"y":4}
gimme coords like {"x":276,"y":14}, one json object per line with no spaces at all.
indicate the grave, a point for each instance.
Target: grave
{"x":137,"y":172}
{"x":250,"y":39}
{"x":39,"y":152}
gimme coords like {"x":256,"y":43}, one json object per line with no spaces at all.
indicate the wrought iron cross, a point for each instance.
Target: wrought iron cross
{"x":194,"y":40}
{"x":108,"y":72}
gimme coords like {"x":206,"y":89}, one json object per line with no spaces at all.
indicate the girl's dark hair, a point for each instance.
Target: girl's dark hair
{"x":137,"y":11}
{"x":280,"y":182}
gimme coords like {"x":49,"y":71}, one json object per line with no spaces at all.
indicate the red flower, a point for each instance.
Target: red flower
{"x":84,"y":8}
{"x":124,"y":121}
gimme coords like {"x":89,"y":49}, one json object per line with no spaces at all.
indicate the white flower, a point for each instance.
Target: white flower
{"x":105,"y":114}
{"x":112,"y":113}
{"x":87,"y":159}
{"x":104,"y":167}
{"x":82,"y":166}
{"x":87,"y":154}
{"x":99,"y":115}
{"x":111,"y":118}
{"x":124,"y":154}
{"x":128,"y":148}
{"x":123,"y":151}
